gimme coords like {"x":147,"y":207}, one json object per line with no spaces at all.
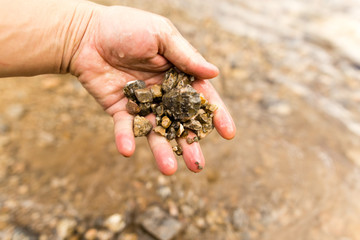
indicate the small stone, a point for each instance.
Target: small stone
{"x":200,"y":222}
{"x":45,"y":139}
{"x":173,"y":209}
{"x":15,"y":111}
{"x":207,"y":127}
{"x":164,"y":192}
{"x":105,"y":235}
{"x":201,"y":134}
{"x":175,"y":125}
{"x":159,"y":224}
{"x":280,"y":108}
{"x":165,"y":122}
{"x":202,"y":117}
{"x":192,"y":140}
{"x":170,"y":81}
{"x":160,"y":130}
{"x":145,"y":109}
{"x":239,"y":219}
{"x":180,"y":130}
{"x":203,"y":101}
{"x":178,"y":150}
{"x":211,"y":107}
{"x":183,"y":103}
{"x":193,"y":124}
{"x":162,"y":180}
{"x":144,"y":95}
{"x":189,"y":140}
{"x":91,"y":234}
{"x":65,"y":228}
{"x":142,"y":126}
{"x":183,"y":80}
{"x":213,"y":217}
{"x":130,"y":87}
{"x":158,"y":120}
{"x":132,"y":107}
{"x":159,"y":111}
{"x":187,"y":211}
{"x":171,"y":134}
{"x":115,"y":223}
{"x":153,"y":107}
{"x":192,"y":232}
{"x":276,"y":106}
{"x":212,"y":175}
{"x":185,"y":133}
{"x":156,"y":91}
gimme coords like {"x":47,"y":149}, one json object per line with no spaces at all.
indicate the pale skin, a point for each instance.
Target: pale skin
{"x":106,"y":47}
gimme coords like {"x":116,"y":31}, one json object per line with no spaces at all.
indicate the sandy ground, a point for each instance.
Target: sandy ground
{"x":292,"y":172}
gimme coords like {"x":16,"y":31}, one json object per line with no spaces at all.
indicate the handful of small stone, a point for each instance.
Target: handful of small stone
{"x":178,"y":108}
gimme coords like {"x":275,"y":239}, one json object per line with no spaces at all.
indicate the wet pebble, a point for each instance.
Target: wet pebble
{"x":277,"y":106}
{"x":212,"y":175}
{"x":192,"y":232}
{"x":142,"y":126}
{"x":65,"y":228}
{"x":115,"y":223}
{"x":105,"y":235}
{"x":200,"y":222}
{"x":45,"y":139}
{"x":187,"y":211}
{"x":239,"y":219}
{"x":173,"y":208}
{"x":164,"y":191}
{"x":159,"y":224}
{"x":132,"y":107}
{"x":280,"y":108}
{"x":15,"y":111}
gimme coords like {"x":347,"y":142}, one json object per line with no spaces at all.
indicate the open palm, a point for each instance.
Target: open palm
{"x":123,"y":44}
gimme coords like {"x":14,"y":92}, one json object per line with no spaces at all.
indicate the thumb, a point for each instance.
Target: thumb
{"x":175,"y":48}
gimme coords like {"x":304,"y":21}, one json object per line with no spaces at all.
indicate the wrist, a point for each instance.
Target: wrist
{"x":77,"y":33}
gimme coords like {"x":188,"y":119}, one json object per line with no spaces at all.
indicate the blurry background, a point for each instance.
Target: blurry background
{"x":290,"y":75}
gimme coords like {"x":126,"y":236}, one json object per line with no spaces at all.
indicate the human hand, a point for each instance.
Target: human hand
{"x":123,"y":44}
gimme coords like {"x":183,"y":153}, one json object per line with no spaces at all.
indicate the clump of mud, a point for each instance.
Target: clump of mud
{"x":178,"y":108}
